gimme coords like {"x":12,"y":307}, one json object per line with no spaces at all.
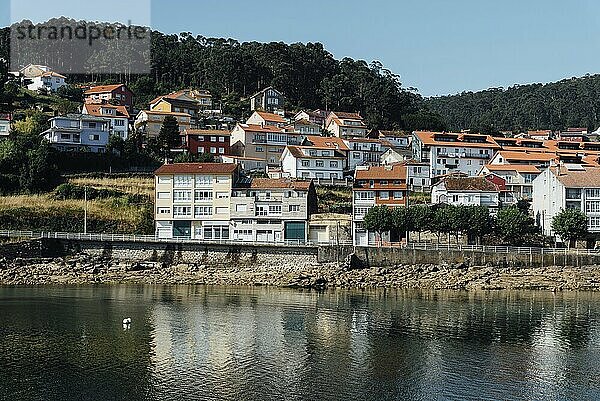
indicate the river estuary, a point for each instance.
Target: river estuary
{"x":221,"y":343}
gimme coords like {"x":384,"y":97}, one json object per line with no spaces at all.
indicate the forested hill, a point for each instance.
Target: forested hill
{"x":308,"y":75}
{"x":573,"y":102}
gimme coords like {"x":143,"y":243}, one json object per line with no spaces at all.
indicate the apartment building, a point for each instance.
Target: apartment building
{"x":418,"y":177}
{"x":518,"y":177}
{"x":373,"y":186}
{"x":567,"y":186}
{"x":118,"y":116}
{"x":268,"y":99}
{"x":78,"y":132}
{"x":192,"y":200}
{"x":365,"y":151}
{"x":272,"y":210}
{"x":304,"y":127}
{"x":450,"y":152}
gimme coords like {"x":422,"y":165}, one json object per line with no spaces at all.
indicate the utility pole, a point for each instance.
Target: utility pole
{"x":85,"y":210}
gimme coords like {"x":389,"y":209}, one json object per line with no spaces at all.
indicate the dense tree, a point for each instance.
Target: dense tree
{"x":567,"y":103}
{"x":421,"y":217}
{"x":479,"y":222}
{"x":198,"y":158}
{"x":513,"y":226}
{"x":570,"y":225}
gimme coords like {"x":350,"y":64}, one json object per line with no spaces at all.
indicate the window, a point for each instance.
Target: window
{"x":119,"y":123}
{"x":221,"y":151}
{"x":325,"y":153}
{"x":361,"y":211}
{"x":454,"y":198}
{"x":221,"y":139}
{"x":222,"y":195}
{"x":305,"y":163}
{"x":183,"y":181}
{"x":594,"y":222}
{"x":260,"y":149}
{"x":182,"y":211}
{"x":261,"y":210}
{"x":200,"y":211}
{"x":163,"y":210}
{"x":305,"y":174}
{"x":294,"y":208}
{"x":383,"y":182}
{"x":222,"y":179}
{"x":92,"y":125}
{"x":241,"y":208}
{"x":573,"y":193}
{"x":274,"y":209}
{"x":221,"y":210}
{"x":163,"y":195}
{"x":592,"y":207}
{"x":356,"y":155}
{"x":164,"y":179}
{"x":312,"y":153}
{"x":592,"y":193}
{"x":213,"y":139}
{"x":182,"y":196}
{"x":364,"y":195}
{"x":204,"y":181}
{"x":398,"y":195}
{"x":384,"y":195}
{"x":319,"y":163}
{"x":203,"y":196}
{"x":333,"y":164}
{"x":65,"y":136}
{"x":213,"y":150}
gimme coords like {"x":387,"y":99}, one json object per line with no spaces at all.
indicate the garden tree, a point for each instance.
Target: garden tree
{"x":513,"y":226}
{"x":168,"y":136}
{"x":379,"y":219}
{"x":401,"y":221}
{"x":570,"y":225}
{"x":38,"y":173}
{"x":479,"y":222}
{"x":459,"y":216}
{"x":115,"y":145}
{"x":442,"y":220}
{"x":71,"y":92}
{"x":35,"y":123}
{"x":421,"y":217}
{"x":524,"y":205}
{"x":64,"y":106}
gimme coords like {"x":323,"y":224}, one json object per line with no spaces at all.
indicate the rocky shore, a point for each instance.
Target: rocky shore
{"x":86,"y":269}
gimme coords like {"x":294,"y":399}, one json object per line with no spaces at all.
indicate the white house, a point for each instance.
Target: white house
{"x":418,"y":177}
{"x":118,"y":116}
{"x":345,"y":125}
{"x":49,"y":81}
{"x":567,"y":186}
{"x":449,"y":153}
{"x":311,"y":162}
{"x":468,"y":191}
{"x":5,"y":120}
{"x":78,"y":132}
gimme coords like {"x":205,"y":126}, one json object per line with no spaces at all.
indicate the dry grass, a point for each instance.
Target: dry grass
{"x":105,"y":209}
{"x":137,"y":185}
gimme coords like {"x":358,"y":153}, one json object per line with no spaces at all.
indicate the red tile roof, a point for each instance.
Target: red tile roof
{"x":391,"y":172}
{"x":428,"y":138}
{"x":94,"y":110}
{"x":197,"y":168}
{"x":327,"y":142}
{"x":102,"y":89}
{"x":271,"y":117}
{"x":587,"y":177}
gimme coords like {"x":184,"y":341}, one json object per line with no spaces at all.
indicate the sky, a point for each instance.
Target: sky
{"x":437,"y":46}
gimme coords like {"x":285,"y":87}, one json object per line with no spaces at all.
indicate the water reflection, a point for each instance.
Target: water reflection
{"x":193,"y":343}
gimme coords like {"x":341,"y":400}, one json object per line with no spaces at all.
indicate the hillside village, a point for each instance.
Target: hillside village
{"x":257,"y":179}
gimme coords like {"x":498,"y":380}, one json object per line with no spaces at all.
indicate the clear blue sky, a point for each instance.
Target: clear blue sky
{"x":437,"y":46}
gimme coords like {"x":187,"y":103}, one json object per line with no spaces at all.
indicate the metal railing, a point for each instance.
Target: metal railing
{"x":427,"y":246}
{"x":153,"y":239}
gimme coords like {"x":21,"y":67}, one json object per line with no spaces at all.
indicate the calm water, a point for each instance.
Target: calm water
{"x":195,"y":343}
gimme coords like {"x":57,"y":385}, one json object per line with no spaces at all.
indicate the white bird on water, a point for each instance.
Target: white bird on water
{"x":127,"y":323}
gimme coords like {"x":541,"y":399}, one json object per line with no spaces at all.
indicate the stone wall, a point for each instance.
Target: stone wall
{"x":388,"y":257}
{"x":207,"y":255}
